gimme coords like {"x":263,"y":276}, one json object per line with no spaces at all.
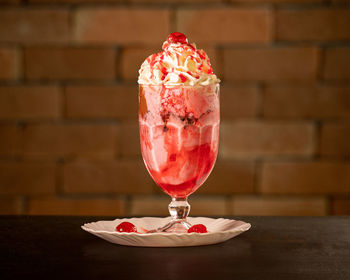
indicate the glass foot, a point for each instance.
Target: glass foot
{"x":179,"y":210}
{"x":173,"y":227}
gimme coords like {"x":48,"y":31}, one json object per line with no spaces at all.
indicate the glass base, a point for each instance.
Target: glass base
{"x":179,"y":210}
{"x":174,"y":227}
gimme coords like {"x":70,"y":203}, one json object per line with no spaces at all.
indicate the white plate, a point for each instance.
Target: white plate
{"x":219,"y":230}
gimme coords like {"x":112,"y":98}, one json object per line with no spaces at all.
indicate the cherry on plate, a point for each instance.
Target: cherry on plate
{"x":199,"y":228}
{"x":126,"y":227}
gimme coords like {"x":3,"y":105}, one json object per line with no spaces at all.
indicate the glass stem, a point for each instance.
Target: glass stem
{"x":179,"y":208}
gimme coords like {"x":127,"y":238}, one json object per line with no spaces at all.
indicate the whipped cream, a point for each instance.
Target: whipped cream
{"x":180,"y":63}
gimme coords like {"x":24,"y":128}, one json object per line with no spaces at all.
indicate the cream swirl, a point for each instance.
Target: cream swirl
{"x":180,"y":63}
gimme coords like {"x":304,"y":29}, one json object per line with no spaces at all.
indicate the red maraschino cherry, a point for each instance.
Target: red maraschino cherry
{"x":199,"y":228}
{"x":126,"y":227}
{"x":177,"y":37}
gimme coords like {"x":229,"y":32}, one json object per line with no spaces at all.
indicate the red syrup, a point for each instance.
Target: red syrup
{"x":177,"y":37}
{"x":179,"y":135}
{"x":183,"y":78}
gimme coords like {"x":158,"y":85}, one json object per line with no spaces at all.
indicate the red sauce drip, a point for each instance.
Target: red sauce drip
{"x":191,"y":46}
{"x":152,"y":60}
{"x":201,"y":55}
{"x":183,"y":78}
{"x":165,"y":72}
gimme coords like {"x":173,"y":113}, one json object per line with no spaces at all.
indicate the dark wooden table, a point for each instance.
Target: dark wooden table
{"x":274,"y":248}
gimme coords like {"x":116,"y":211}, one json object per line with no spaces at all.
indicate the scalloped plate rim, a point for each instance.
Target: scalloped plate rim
{"x":245,"y":224}
{"x":161,"y":239}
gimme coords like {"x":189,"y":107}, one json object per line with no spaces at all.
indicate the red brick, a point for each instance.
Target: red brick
{"x":70,"y":140}
{"x":27,"y":178}
{"x":130,"y":139}
{"x":320,"y":24}
{"x":158,"y":205}
{"x":278,"y":1}
{"x":341,"y":206}
{"x":11,"y":205}
{"x":305,"y":177}
{"x":122,"y":25}
{"x":124,"y":1}
{"x":69,"y":63}
{"x":228,"y":178}
{"x":9,"y":64}
{"x":150,"y":205}
{"x":9,"y":140}
{"x":238,"y":101}
{"x":75,"y":1}
{"x":127,"y":176}
{"x":34,"y":25}
{"x":225,"y":25}
{"x":29,"y":102}
{"x":76,"y":206}
{"x":271,"y":64}
{"x":175,"y":1}
{"x":101,"y":102}
{"x":337,"y":63}
{"x":292,"y":101}
{"x":208,"y":205}
{"x":279,"y":206}
{"x":254,"y":139}
{"x":335,"y":139}
{"x":131,"y":60}
{"x":11,"y":2}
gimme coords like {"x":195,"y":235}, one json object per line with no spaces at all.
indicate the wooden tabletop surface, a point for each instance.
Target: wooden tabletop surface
{"x":274,"y":248}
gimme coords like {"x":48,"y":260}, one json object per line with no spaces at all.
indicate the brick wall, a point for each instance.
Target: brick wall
{"x":68,"y":105}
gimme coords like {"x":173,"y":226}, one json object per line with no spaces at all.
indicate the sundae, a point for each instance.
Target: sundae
{"x":179,"y":116}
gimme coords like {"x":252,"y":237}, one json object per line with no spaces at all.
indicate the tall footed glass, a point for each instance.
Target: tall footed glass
{"x":179,"y":134}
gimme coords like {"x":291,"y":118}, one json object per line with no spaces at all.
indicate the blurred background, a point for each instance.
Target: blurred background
{"x":68,"y":105}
